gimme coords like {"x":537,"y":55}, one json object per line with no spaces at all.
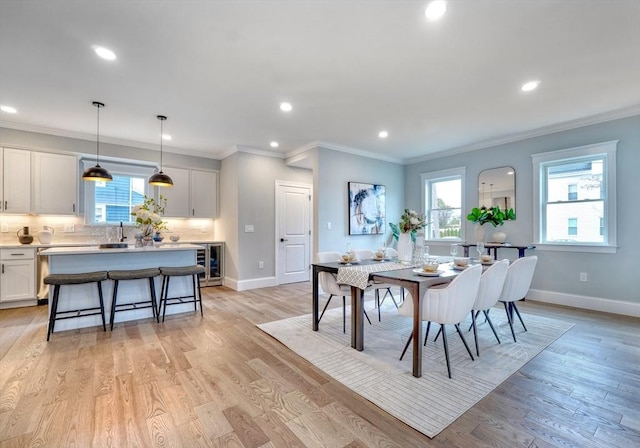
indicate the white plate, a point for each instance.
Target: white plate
{"x":380,"y":259}
{"x":347,"y":262}
{"x":427,"y":274}
{"x":459,"y":268}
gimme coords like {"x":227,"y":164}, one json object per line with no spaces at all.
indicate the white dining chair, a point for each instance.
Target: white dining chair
{"x":329,"y":285}
{"x":491,"y":284}
{"x":368,"y":254}
{"x":447,"y":306}
{"x":516,"y":286}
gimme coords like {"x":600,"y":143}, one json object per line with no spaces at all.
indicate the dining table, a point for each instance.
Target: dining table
{"x":387,"y":271}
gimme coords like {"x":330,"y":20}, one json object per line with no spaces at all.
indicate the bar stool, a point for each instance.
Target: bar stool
{"x":58,"y":280}
{"x":137,"y":274}
{"x":167,"y":273}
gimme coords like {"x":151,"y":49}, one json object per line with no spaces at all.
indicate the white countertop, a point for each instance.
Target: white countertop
{"x":37,"y":245}
{"x":85,"y":250}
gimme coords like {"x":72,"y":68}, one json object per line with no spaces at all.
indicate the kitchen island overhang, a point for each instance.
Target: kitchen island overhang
{"x":74,"y":260}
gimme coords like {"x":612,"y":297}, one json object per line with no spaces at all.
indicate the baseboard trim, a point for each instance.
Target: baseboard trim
{"x":585,"y":302}
{"x":254,"y":283}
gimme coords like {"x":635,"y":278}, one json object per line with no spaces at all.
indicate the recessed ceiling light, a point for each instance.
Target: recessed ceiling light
{"x":383,"y":134}
{"x":104,"y":53}
{"x":435,"y":9}
{"x":8,"y":109}
{"x":286,"y":107}
{"x":166,"y":137}
{"x":529,"y":86}
{"x":274,"y":144}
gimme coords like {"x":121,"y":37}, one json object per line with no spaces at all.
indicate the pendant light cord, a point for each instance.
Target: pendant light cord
{"x":161,"y":118}
{"x":161,"y":127}
{"x":98,"y":105}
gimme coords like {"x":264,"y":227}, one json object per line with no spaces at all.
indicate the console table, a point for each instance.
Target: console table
{"x":495,"y":246}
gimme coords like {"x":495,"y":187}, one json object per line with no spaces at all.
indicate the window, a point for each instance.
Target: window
{"x":111,"y":202}
{"x":576,"y":185}
{"x":572,"y":228}
{"x":443,"y":204}
{"x":602,"y":226}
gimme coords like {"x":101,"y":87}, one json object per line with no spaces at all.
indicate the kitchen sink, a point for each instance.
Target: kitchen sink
{"x":113,"y":246}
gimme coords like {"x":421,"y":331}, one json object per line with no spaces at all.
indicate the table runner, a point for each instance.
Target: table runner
{"x":358,"y":275}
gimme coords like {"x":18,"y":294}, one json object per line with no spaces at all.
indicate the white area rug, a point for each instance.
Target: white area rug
{"x":432,"y":402}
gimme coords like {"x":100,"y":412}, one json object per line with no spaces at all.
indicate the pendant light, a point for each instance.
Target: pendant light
{"x":97,"y":173}
{"x":160,"y":179}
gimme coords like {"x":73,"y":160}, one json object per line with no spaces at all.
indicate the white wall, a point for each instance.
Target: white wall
{"x":248,"y":198}
{"x":612,"y":278}
{"x":333,"y":171}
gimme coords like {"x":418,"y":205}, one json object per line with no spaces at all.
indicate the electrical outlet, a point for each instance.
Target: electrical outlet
{"x":260,"y":264}
{"x":328,"y":225}
{"x":583,"y":276}
{"x":248,"y":228}
{"x":69,"y":228}
{"x":4,"y":228}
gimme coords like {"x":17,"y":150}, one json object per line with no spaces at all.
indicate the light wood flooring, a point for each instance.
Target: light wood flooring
{"x":218,"y":381}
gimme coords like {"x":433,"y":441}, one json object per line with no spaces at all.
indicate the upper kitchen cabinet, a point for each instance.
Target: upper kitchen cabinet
{"x":15,"y":183}
{"x":194,"y":194}
{"x":178,"y":195}
{"x":55,"y":183}
{"x":204,"y":194}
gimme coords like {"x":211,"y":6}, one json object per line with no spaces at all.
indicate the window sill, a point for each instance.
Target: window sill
{"x":584,"y":248}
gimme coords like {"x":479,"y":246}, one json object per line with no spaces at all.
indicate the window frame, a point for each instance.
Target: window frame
{"x":607,"y":150}
{"x":443,"y":175}
{"x":118,"y":169}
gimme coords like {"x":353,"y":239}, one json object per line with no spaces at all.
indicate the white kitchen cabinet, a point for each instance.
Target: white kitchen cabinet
{"x":15,"y":183}
{"x":178,"y":204}
{"x":204,"y":194}
{"x":17,"y":274}
{"x":194,"y":194}
{"x":55,"y":183}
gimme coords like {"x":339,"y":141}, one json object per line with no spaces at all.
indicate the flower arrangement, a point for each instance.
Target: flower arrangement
{"x":493,"y":215}
{"x":149,"y":215}
{"x":410,"y":222}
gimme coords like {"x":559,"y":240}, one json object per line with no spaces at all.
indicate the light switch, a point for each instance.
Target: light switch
{"x":248,"y":228}
{"x":328,"y":225}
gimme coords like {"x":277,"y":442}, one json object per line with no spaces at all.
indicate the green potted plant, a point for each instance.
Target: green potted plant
{"x":490,"y":215}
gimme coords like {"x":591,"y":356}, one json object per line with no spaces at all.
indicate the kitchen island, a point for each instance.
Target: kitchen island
{"x":73,"y":260}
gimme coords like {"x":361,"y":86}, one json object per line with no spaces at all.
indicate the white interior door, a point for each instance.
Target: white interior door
{"x":293,"y":232}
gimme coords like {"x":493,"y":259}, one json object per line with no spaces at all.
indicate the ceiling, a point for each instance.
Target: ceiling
{"x":350,"y":68}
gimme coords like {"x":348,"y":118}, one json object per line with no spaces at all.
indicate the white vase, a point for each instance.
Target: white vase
{"x":479,"y":232}
{"x":498,"y":237}
{"x":405,"y":248}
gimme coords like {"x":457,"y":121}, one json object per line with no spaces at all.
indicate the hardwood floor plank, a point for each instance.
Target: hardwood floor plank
{"x":245,"y":428}
{"x":202,"y":381}
{"x":193,"y":434}
{"x":278,"y":433}
{"x":213,"y":420}
{"x":316,"y":429}
{"x":162,"y":432}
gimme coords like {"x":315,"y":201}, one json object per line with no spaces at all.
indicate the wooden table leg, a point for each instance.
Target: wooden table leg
{"x":357,"y":318}
{"x":314,"y":300}
{"x":417,"y":331}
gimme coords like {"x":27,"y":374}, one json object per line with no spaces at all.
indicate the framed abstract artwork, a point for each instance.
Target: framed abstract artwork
{"x":367,"y":210}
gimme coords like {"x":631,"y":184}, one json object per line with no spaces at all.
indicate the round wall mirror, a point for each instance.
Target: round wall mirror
{"x":497,"y":186}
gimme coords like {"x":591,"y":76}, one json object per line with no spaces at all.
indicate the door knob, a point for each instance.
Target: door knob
{"x":282,"y":240}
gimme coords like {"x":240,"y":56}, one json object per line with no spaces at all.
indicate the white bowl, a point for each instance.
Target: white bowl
{"x":461,"y":261}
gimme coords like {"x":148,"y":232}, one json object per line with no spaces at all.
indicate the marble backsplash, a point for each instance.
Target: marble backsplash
{"x":73,"y":230}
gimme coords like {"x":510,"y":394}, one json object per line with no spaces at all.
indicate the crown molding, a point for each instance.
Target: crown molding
{"x":546,"y":130}
{"x":103,"y":139}
{"x":342,"y":148}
